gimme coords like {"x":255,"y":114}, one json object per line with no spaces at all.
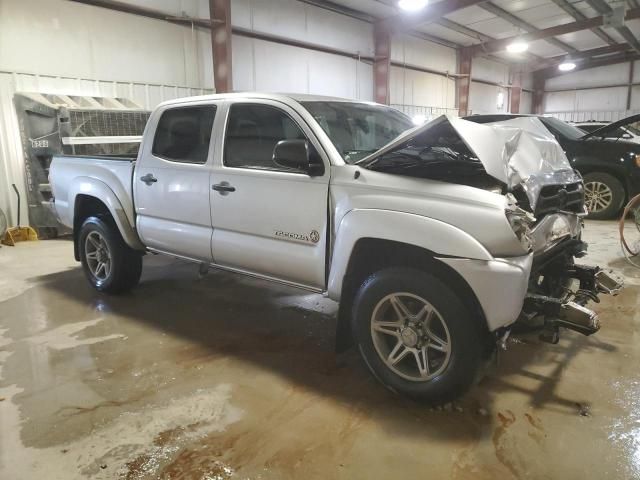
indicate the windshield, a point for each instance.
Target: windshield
{"x":358,"y":129}
{"x":563,"y":128}
{"x":590,"y":128}
{"x":634,"y":128}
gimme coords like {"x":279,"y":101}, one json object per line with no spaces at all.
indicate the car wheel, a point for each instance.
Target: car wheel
{"x":416,"y":335}
{"x":604,"y":195}
{"x":109,"y":264}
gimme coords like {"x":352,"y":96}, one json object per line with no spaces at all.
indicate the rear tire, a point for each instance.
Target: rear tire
{"x":439,"y":354}
{"x":604,"y":195}
{"x":109,"y":264}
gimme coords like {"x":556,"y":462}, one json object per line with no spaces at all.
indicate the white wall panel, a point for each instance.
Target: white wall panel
{"x":422,"y":53}
{"x":635,"y":97}
{"x":490,"y":71}
{"x":527,"y":81}
{"x":526,"y":102}
{"x":410,"y":87}
{"x":271,"y":67}
{"x":600,"y":99}
{"x":483,"y":98}
{"x":297,"y":20}
{"x":592,"y":77}
{"x":58,"y":37}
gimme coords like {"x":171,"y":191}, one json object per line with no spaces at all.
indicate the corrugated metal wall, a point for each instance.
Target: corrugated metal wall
{"x":11,"y":156}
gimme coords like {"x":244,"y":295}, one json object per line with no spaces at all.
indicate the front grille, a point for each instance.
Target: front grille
{"x":554,"y":198}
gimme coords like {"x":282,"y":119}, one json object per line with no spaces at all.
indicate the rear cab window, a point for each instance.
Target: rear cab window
{"x":184,"y":133}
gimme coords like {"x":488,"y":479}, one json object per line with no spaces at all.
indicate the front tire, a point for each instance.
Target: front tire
{"x":416,"y":335}
{"x":604,"y":195}
{"x":109,"y":264}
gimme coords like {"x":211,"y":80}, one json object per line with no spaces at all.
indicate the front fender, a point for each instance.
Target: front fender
{"x":434,"y":235}
{"x":95,"y":188}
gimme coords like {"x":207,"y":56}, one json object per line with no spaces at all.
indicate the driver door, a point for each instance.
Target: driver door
{"x":268,"y":220}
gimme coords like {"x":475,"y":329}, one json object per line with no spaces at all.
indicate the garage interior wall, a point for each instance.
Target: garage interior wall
{"x":410,"y":87}
{"x":592,"y":94}
{"x":70,"y":48}
{"x":484,"y":97}
{"x":56,"y":46}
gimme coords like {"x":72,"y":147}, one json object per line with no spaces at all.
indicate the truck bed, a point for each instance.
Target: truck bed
{"x":70,"y":174}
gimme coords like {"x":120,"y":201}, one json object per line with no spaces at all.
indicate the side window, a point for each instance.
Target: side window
{"x":253,"y":132}
{"x":184,"y":133}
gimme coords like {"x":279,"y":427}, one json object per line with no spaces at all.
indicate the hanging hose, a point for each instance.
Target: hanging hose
{"x":630,"y":251}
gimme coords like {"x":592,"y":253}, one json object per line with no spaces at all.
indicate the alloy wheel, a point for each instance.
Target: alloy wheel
{"x":98,"y":256}
{"x":410,"y":336}
{"x":598,"y":196}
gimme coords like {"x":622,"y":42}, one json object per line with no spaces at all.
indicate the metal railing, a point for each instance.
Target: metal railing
{"x":429,"y":113}
{"x":597,"y":115}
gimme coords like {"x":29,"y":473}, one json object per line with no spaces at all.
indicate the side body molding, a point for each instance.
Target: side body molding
{"x":96,"y":188}
{"x":439,"y":237}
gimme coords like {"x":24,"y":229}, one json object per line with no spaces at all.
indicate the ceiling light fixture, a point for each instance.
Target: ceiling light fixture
{"x":412,"y":5}
{"x":566,"y":66}
{"x":517,"y":46}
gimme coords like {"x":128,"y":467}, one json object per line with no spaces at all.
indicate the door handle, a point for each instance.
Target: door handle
{"x":223,"y":188}
{"x":149,"y":179}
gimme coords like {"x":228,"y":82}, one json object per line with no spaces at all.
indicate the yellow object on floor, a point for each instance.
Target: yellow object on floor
{"x":19,"y":234}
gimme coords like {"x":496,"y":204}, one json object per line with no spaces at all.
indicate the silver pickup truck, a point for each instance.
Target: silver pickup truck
{"x":435,"y":240}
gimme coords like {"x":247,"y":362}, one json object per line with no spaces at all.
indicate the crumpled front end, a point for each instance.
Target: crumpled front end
{"x":536,"y":279}
{"x":560,"y":289}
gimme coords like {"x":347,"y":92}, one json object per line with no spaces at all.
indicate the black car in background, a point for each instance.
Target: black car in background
{"x":609,"y":166}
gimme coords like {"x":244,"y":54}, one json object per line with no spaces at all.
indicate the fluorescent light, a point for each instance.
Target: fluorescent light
{"x":566,"y":66}
{"x":412,"y":5}
{"x":517,"y":47}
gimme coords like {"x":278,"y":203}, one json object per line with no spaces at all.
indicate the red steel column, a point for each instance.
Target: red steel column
{"x":516,"y":92}
{"x":220,"y":13}
{"x":538,"y":93}
{"x":464,"y":81}
{"x":381,"y":64}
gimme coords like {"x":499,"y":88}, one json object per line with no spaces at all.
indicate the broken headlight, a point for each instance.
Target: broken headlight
{"x":521,"y":222}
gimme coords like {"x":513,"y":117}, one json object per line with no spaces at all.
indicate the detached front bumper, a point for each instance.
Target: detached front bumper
{"x":500,"y":285}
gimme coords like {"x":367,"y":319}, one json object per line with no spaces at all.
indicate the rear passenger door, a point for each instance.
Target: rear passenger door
{"x":171,"y":183}
{"x":270,"y":220}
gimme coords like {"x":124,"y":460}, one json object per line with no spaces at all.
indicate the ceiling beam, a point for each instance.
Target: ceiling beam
{"x":148,"y":12}
{"x":593,"y":52}
{"x":601,"y":7}
{"x":341,"y":9}
{"x":613,"y":60}
{"x":527,"y":27}
{"x":402,"y":22}
{"x":469,"y":32}
{"x":578,"y":15}
{"x":501,"y":44}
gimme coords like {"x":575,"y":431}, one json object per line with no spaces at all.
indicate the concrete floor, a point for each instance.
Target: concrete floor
{"x":229,"y":377}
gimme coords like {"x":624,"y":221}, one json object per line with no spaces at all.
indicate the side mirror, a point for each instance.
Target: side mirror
{"x":294,"y":155}
{"x":627,"y":136}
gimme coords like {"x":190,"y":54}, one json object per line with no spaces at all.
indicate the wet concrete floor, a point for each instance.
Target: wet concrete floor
{"x":229,"y":377}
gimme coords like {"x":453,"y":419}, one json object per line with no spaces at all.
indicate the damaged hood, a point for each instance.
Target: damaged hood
{"x":520,"y":151}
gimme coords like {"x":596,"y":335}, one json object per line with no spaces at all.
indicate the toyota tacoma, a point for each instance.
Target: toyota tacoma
{"x":435,"y":240}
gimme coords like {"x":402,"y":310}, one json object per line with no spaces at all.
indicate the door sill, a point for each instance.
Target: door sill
{"x":242,"y":272}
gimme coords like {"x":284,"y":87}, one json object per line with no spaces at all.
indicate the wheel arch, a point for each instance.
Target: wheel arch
{"x":93,"y":197}
{"x":373,"y":254}
{"x":614,"y":172}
